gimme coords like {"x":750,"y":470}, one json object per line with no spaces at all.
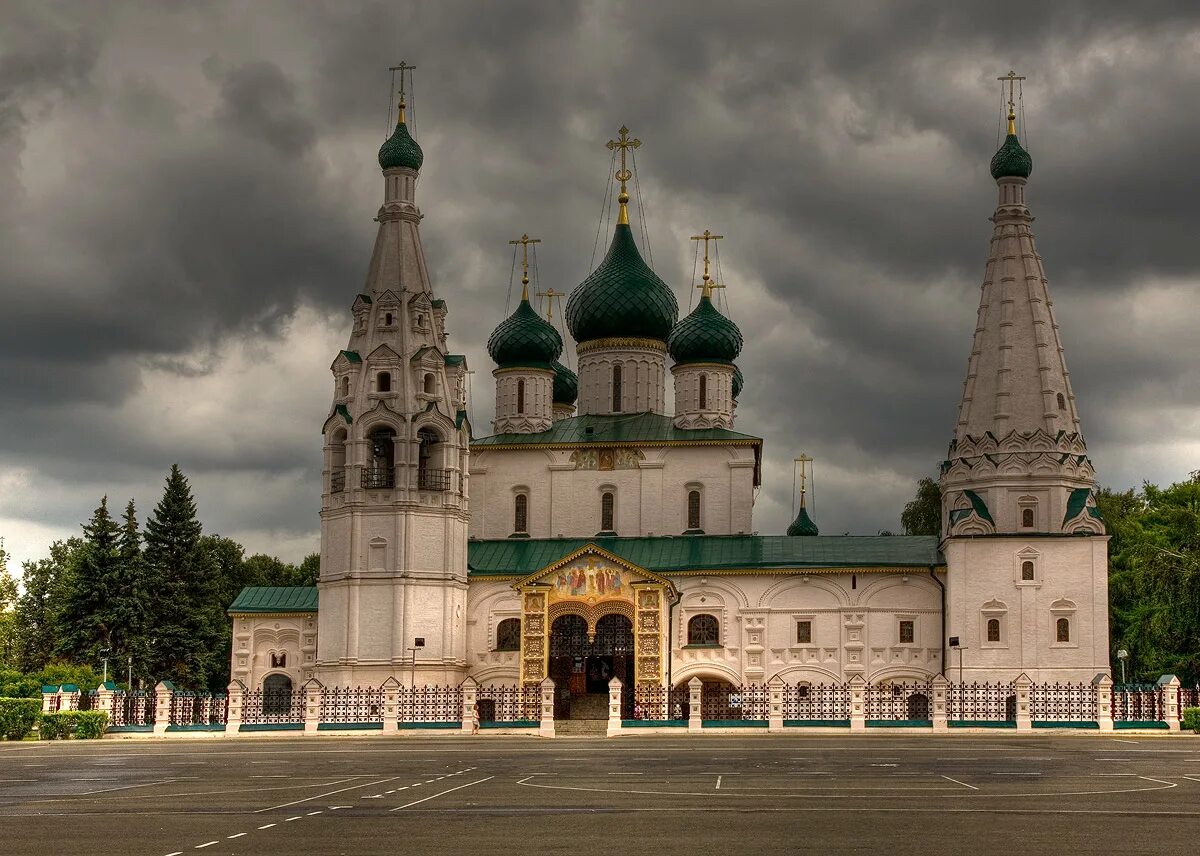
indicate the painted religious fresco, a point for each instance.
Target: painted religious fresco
{"x":589,"y":580}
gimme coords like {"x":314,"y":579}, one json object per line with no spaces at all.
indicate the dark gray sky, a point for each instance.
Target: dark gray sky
{"x":187,"y":193}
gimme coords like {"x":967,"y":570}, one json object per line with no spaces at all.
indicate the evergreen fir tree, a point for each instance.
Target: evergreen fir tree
{"x":85,"y":627}
{"x":129,"y":608}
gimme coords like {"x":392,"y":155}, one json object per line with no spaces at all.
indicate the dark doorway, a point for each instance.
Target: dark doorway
{"x":581,"y":667}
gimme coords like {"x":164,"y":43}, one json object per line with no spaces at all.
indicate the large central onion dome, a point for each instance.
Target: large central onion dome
{"x":400,"y":149}
{"x":566,"y":384}
{"x":705,"y":336}
{"x":525,"y":339}
{"x":622,"y":297}
{"x":1011,"y":160}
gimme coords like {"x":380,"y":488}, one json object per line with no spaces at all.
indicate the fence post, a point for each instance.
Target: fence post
{"x":164,"y":696}
{"x":313,"y":690}
{"x":858,"y":703}
{"x":49,"y":698}
{"x":470,"y":698}
{"x":104,"y":698}
{"x":614,"y":707}
{"x":695,"y":687}
{"x":69,"y":697}
{"x":940,"y":686}
{"x":391,"y":705}
{"x":1021,"y":687}
{"x":546,"y":720}
{"x":1169,"y":684}
{"x":233,"y":723}
{"x":775,"y":690}
{"x":1104,"y":718}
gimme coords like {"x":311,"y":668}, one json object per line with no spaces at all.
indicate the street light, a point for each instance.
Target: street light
{"x":104,"y":652}
{"x":954,"y":644}
{"x":1122,"y":655}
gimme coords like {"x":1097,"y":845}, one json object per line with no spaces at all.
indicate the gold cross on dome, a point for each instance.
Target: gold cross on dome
{"x":402,"y":68}
{"x":1012,"y":77}
{"x":525,"y":241}
{"x":623,"y":175}
{"x":706,"y":285}
{"x":549,"y":296}
{"x":802,"y":460}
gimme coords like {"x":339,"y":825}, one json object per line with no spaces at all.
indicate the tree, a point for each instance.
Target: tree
{"x":8,"y":602}
{"x":923,"y":515}
{"x":86,"y":622}
{"x":38,"y":618}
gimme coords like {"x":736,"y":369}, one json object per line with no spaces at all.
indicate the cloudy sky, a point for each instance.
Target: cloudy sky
{"x":187,"y":193}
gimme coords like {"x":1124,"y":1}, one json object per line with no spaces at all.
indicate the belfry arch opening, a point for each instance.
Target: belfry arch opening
{"x":582,"y":663}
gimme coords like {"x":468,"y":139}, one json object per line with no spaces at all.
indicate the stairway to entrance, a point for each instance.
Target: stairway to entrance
{"x":581,"y":728}
{"x":590,"y":706}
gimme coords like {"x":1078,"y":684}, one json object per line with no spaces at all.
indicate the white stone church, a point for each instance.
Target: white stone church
{"x":593,"y":534}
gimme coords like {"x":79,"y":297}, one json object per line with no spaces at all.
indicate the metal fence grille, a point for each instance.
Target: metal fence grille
{"x":812,"y":702}
{"x":719,"y":700}
{"x":431,"y":704}
{"x":899,"y":701}
{"x":343,"y":704}
{"x":272,"y":706}
{"x":508,"y":703}
{"x":188,"y":708}
{"x":981,"y":702}
{"x":136,"y":708}
{"x":1063,"y":702}
{"x":652,"y":701}
{"x":1138,"y":703}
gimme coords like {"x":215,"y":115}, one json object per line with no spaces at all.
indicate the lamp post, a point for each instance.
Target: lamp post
{"x":1122,"y":656}
{"x":418,"y":644}
{"x":959,"y":648}
{"x":104,"y":652}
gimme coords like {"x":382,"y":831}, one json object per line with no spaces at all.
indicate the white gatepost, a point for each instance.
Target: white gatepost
{"x":858,"y":703}
{"x":391,"y":705}
{"x":1021,"y":687}
{"x":775,"y":690}
{"x":69,"y":697}
{"x":695,"y":697}
{"x":237,"y":696}
{"x":470,"y":698}
{"x":940,"y":687}
{"x":1104,"y":718}
{"x":614,"y":707}
{"x":164,"y":695}
{"x":313,"y":690}
{"x":546,"y":720}
{"x":49,"y":698}
{"x":1169,"y":684}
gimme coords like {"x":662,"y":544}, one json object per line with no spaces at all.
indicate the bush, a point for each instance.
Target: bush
{"x":18,"y":716}
{"x":82,"y":724}
{"x":1191,"y":718}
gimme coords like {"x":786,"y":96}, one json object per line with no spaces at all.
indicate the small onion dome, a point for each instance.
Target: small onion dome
{"x":525,"y":339}
{"x":401,"y":150}
{"x":803,"y":524}
{"x":566,"y":384}
{"x":737,"y":382}
{"x":1011,"y":160}
{"x":705,"y":336}
{"x":622,"y":297}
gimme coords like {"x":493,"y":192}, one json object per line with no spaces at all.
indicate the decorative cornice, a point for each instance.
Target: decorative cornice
{"x":539,"y":370}
{"x":703,"y":365}
{"x":620,"y":343}
{"x":594,"y":444}
{"x":910,"y":571}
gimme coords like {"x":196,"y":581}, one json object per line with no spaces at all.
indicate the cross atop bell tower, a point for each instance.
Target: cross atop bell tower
{"x":624,"y":144}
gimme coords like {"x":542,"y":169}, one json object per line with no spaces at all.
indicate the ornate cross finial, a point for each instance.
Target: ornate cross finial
{"x":549,"y":295}
{"x":623,"y":174}
{"x":802,"y":460}
{"x":707,"y":285}
{"x":1012,"y":77}
{"x":525,"y":241}
{"x":403,"y":67}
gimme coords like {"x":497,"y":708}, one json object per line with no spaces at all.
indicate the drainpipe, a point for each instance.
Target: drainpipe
{"x":942,"y":586}
{"x":671,"y":646}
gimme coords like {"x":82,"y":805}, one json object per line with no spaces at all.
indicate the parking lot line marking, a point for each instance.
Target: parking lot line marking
{"x":127,"y":787}
{"x":718,"y":787}
{"x":957,"y":782}
{"x":207,"y":844}
{"x":266,"y":826}
{"x":318,"y":811}
{"x":176,"y":853}
{"x":443,"y":793}
{"x":290,"y":819}
{"x":328,"y":793}
{"x":236,"y":835}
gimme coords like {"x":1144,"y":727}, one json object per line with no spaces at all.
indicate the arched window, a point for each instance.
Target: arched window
{"x":1027,"y":571}
{"x":387,"y":319}
{"x":693,"y":510}
{"x":703,"y":392}
{"x":616,"y":390}
{"x":383,"y":382}
{"x":607,"y":506}
{"x":1027,"y":518}
{"x":993,"y":630}
{"x":1062,"y":630}
{"x":276,"y":695}
{"x":1062,"y":401}
{"x":520,"y":397}
{"x":508,"y":635}
{"x":429,"y":476}
{"x":703,"y":630}
{"x":380,"y":471}
{"x":430,"y":384}
{"x":337,"y":461}
{"x":421,"y":321}
{"x":344,"y":387}
{"x":520,"y":514}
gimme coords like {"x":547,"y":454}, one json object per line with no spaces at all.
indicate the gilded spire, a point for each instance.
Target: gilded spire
{"x":525,"y":241}
{"x":403,"y":68}
{"x":549,"y":296}
{"x":623,"y":174}
{"x":1012,"y":77}
{"x":706,"y":284}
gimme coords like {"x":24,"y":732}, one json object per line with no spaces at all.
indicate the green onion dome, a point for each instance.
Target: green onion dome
{"x":525,"y":339}
{"x":803,"y":524}
{"x":566,"y":384}
{"x":705,"y":336}
{"x":401,"y":150}
{"x":622,"y":297}
{"x":1011,"y":160}
{"x":738,"y":382}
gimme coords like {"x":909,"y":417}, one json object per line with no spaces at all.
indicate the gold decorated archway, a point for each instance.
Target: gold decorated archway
{"x":591,"y":583}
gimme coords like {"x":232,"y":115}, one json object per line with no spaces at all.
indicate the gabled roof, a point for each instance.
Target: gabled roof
{"x":383,"y":353}
{"x":276,"y":599}
{"x":455,"y":359}
{"x":352,"y":356}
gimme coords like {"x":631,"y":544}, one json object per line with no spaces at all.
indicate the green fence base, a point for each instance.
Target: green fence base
{"x":129,"y":729}
{"x":271,"y":726}
{"x":516,"y":723}
{"x":443,"y":725}
{"x":171,"y":728}
{"x":654,"y":723}
{"x":899,"y":723}
{"x":816,"y":723}
{"x":1140,"y":723}
{"x":734,"y":723}
{"x":350,"y":726}
{"x":1086,"y":723}
{"x":981,"y":723}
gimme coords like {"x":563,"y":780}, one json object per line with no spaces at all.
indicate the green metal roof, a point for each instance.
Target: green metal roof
{"x":1077,"y":502}
{"x":524,"y":339}
{"x":344,"y":412}
{"x":666,"y":555}
{"x":400,"y":149}
{"x":566,"y":384}
{"x":352,"y":356}
{"x":633,"y":428}
{"x":276,"y":599}
{"x":977,"y":505}
{"x":455,"y":359}
{"x":738,"y":381}
{"x":705,"y":335}
{"x":1011,"y":160}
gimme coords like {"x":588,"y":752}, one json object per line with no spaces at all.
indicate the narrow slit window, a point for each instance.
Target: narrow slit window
{"x":520,"y":514}
{"x":1027,"y":571}
{"x":993,"y":630}
{"x":804,"y":632}
{"x":703,"y":392}
{"x":907,"y":632}
{"x":387,"y":319}
{"x":1063,"y":630}
{"x":607,"y":503}
{"x":1062,"y":401}
{"x":693,"y":509}
{"x":616,"y":389}
{"x":384,"y":382}
{"x":520,"y":397}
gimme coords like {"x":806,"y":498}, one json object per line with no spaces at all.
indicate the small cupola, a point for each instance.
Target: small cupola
{"x":400,"y":150}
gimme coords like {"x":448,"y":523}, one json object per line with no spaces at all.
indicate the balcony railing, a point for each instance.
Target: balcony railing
{"x":337,"y":481}
{"x":433,"y":479}
{"x":374,"y":478}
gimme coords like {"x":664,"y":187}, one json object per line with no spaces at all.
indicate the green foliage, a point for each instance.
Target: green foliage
{"x":38,"y":619}
{"x":80,"y":724}
{"x":8,"y":602}
{"x":18,"y":716}
{"x":923,"y":515}
{"x":1191,"y":719}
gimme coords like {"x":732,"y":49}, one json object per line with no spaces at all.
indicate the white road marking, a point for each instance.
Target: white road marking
{"x":128,"y":787}
{"x":176,"y":853}
{"x":207,"y":844}
{"x":1016,"y":774}
{"x":443,"y":793}
{"x":236,"y":835}
{"x":718,"y":787}
{"x":266,"y":826}
{"x":290,"y":819}
{"x":328,"y":793}
{"x":1118,"y":740}
{"x":1192,"y":778}
{"x":957,"y":782}
{"x":318,"y":811}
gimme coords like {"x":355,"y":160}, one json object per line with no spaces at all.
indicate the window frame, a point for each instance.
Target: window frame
{"x":521,"y":514}
{"x":703,"y":392}
{"x":617,"y":387}
{"x":805,"y":624}
{"x":501,"y":627}
{"x":608,"y":511}
{"x":901,"y":621}
{"x":694,"y":523}
{"x":702,"y":634}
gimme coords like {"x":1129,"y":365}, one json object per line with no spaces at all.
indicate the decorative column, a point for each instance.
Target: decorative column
{"x":313,"y":690}
{"x":391,"y":705}
{"x":940,"y":685}
{"x":546,"y":721}
{"x":775,"y":690}
{"x":695,"y":723}
{"x":1104,"y":718}
{"x":164,"y":694}
{"x":614,"y":707}
{"x":1169,"y":685}
{"x":237,"y":691}
{"x":858,"y":703}
{"x":470,"y":696}
{"x":1021,"y":686}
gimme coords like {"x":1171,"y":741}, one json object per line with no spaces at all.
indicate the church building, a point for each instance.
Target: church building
{"x":593,"y":533}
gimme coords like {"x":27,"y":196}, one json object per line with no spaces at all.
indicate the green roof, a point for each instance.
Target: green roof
{"x":401,"y":150}
{"x":352,"y":356}
{"x":1011,"y":160}
{"x":705,"y":336}
{"x":622,"y":297}
{"x":344,"y":412}
{"x":666,"y":555}
{"x":566,"y":384}
{"x":977,"y":505}
{"x":276,"y":599}
{"x":438,"y":304}
{"x":738,"y":381}
{"x":632,"y":428}
{"x":1077,"y":502}
{"x":455,"y":359}
{"x":524,"y":339}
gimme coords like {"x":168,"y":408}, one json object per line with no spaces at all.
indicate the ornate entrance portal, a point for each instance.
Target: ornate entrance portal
{"x":582,"y":663}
